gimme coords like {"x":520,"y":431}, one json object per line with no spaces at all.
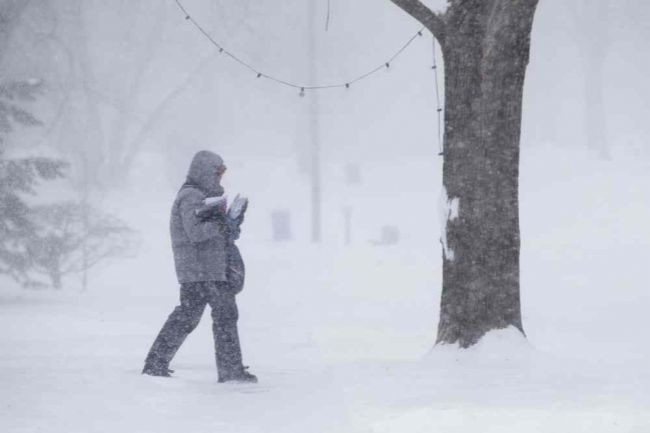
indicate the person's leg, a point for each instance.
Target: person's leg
{"x":226,"y":337}
{"x":178,"y":326}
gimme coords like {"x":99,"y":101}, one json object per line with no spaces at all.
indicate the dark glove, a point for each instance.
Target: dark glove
{"x":233,"y":229}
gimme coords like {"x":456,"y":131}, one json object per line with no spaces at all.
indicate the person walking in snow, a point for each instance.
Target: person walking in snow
{"x":202,"y":238}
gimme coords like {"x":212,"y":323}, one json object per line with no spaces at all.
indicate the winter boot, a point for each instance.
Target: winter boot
{"x":242,"y":376}
{"x":154,"y":370}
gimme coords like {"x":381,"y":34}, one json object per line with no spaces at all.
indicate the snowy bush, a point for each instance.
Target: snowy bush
{"x":18,"y":179}
{"x":72,"y":237}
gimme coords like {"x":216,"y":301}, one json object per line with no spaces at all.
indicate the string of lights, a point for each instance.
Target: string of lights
{"x":301,"y":87}
{"x":438,"y":105}
{"x":346,"y":84}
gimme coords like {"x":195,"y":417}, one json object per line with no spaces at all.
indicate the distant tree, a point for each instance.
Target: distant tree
{"x":110,"y":125}
{"x":18,"y":178}
{"x":12,"y":94}
{"x":592,"y":24}
{"x":10,"y":12}
{"x":485,"y":45}
{"x":72,"y":237}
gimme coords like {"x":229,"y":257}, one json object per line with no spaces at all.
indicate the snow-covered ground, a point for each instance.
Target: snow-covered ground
{"x":342,"y":337}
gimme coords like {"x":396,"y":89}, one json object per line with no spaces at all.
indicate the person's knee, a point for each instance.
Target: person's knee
{"x":226,"y":313}
{"x":192,"y":322}
{"x":187,"y":318}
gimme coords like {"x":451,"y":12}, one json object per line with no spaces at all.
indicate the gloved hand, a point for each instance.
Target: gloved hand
{"x":233,"y":229}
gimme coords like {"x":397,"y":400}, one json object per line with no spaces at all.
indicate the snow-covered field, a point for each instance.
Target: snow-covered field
{"x":341,"y":337}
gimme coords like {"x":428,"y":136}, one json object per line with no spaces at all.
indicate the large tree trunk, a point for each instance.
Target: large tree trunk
{"x":485,"y":44}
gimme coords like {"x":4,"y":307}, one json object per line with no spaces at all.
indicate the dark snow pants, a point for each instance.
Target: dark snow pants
{"x":185,"y":318}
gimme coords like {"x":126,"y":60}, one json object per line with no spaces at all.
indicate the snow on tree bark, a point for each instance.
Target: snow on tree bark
{"x":486,"y":45}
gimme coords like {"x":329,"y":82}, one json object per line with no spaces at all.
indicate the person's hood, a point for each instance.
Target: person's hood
{"x":203,"y":173}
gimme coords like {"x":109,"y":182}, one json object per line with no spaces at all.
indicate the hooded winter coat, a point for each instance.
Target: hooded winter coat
{"x":199,"y":245}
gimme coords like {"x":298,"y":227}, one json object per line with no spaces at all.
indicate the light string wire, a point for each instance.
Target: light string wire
{"x":327,"y":17}
{"x":302,"y":88}
{"x":438,"y":104}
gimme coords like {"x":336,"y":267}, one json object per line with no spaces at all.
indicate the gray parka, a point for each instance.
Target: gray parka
{"x":199,"y":245}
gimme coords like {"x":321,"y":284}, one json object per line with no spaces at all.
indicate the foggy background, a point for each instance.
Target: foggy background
{"x":124,"y":79}
{"x":131,"y":90}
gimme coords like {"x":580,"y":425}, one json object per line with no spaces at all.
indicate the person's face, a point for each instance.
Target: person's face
{"x":220,"y":171}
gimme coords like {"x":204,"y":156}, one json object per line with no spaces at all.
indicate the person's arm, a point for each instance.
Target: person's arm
{"x":196,"y":228}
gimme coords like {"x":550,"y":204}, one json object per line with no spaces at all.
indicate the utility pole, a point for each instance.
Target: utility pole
{"x":314,"y":131}
{"x":85,"y":207}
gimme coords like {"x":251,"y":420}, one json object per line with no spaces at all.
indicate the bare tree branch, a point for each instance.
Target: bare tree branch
{"x":424,"y":15}
{"x":155,"y":116}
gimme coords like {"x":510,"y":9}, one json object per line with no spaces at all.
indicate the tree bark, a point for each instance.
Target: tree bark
{"x":485,"y":47}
